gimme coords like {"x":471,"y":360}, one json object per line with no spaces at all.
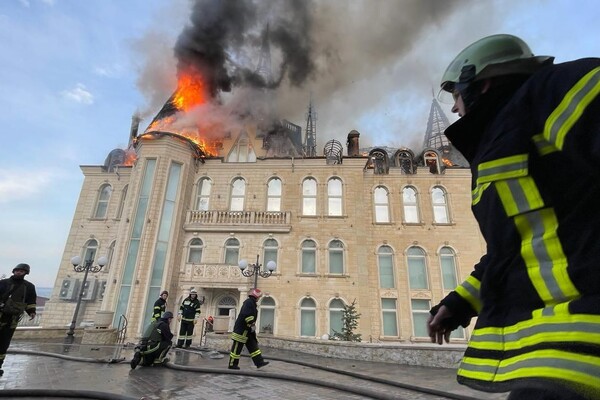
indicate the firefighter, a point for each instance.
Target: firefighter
{"x":244,"y":333}
{"x":155,"y":343}
{"x":189,"y":312}
{"x":16,"y":297}
{"x":530,"y":130}
{"x":160,"y":305}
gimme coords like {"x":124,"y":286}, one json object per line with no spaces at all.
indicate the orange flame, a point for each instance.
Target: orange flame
{"x":191,"y":91}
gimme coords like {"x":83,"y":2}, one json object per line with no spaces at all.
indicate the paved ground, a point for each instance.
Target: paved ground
{"x":200,"y":374}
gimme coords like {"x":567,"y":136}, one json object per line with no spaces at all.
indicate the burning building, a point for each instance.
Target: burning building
{"x":209,"y":183}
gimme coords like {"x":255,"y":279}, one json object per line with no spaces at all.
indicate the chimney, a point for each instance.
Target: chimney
{"x":353,"y":146}
{"x":135,"y":125}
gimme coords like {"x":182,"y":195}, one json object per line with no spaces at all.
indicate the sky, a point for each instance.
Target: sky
{"x":72,"y":74}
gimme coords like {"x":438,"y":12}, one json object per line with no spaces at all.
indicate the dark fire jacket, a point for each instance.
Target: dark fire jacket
{"x":535,"y":162}
{"x":245,"y":320}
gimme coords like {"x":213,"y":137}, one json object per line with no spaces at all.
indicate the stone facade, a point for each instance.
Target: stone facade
{"x":147,"y":232}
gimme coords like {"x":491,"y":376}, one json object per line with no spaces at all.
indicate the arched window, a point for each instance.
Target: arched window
{"x":432,"y":160}
{"x":385,"y":258}
{"x":232,"y":251}
{"x":334,"y":194}
{"x":91,"y":247}
{"x":417,"y":269}
{"x":109,"y":255}
{"x":195,"y":251}
{"x":270,"y":249}
{"x":405,"y":160}
{"x":242,"y":150}
{"x":411,"y":208}
{"x":336,"y":257}
{"x":382,"y":209}
{"x":309,"y":197}
{"x":389,"y":317}
{"x":274,"y":195}
{"x":309,"y":257}
{"x":238,"y":194}
{"x":266,"y":317}
{"x":102,"y":202}
{"x":336,"y":316}
{"x":440,"y":205}
{"x":379,"y":159}
{"x":448,"y":265}
{"x":203,"y":194}
{"x":225,"y":304}
{"x":122,"y":202}
{"x":308,"y":317}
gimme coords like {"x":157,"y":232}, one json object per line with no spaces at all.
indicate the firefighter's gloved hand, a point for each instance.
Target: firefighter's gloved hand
{"x":195,"y":321}
{"x":179,"y":318}
{"x":253,"y":329}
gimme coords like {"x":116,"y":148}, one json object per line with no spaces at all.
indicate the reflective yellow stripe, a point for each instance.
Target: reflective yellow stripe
{"x":560,"y":327}
{"x":571,"y":108}
{"x":544,"y":257}
{"x":478,"y":192}
{"x":502,"y":168}
{"x":469,"y":290}
{"x":578,"y":368}
{"x":543,"y":146}
{"x":256,"y":353}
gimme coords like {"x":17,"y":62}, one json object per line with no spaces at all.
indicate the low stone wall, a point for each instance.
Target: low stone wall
{"x":426,"y":355}
{"x":34,"y":332}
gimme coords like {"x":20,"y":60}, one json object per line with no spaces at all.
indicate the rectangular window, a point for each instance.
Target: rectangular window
{"x":336,"y":262}
{"x":448,"y":273}
{"x":232,"y":256}
{"x":308,"y":261}
{"x":420,"y":314}
{"x":381,"y":214}
{"x":336,"y":323}
{"x":307,"y":323}
{"x":386,"y":272}
{"x":309,"y":206}
{"x":417,"y":273}
{"x":389,"y":316}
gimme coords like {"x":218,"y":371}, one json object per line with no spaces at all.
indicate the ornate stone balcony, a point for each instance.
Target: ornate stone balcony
{"x":238,"y":221}
{"x":214,"y":275}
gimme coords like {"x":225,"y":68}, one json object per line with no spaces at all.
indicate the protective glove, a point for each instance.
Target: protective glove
{"x":253,"y":329}
{"x":195,"y":321}
{"x":179,"y":318}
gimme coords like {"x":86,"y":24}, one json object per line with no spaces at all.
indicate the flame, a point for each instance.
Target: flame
{"x":130,"y":157}
{"x":190,"y":92}
{"x":447,"y":162}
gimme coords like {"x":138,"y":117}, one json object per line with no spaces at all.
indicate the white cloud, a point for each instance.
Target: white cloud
{"x":109,"y":71}
{"x":18,"y":184}
{"x":79,"y":94}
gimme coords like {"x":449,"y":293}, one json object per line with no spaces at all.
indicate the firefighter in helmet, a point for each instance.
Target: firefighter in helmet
{"x":530,"y":131}
{"x":160,"y":305}
{"x":155,"y":343}
{"x":244,"y":332}
{"x":189,"y":312}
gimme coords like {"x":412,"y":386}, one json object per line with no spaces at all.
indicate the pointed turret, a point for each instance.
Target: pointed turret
{"x":435,"y":138}
{"x":310,"y":140}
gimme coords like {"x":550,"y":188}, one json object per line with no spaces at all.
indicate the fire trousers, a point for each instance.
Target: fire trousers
{"x":8,"y":325}
{"x":251,"y":345}
{"x":186,"y":332}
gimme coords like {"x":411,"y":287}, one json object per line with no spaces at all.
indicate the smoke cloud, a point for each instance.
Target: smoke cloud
{"x":370,"y":65}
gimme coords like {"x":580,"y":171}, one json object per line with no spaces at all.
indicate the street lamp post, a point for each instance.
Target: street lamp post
{"x":86,"y":267}
{"x":254,"y":269}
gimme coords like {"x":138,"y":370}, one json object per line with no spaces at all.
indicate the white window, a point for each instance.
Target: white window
{"x":232,"y":251}
{"x":389,"y":317}
{"x":309,"y":197}
{"x":242,"y":150}
{"x":382,"y":208}
{"x":270,"y":249}
{"x":203,"y":195}
{"x":308,"y":317}
{"x":122,"y":202}
{"x":102,"y":202}
{"x":417,"y":269}
{"x":420,"y":314}
{"x":448,"y":265}
{"x":309,"y":257}
{"x":238,"y":194}
{"x":411,"y":208}
{"x":195,"y":251}
{"x":266,"y":316}
{"x":274,"y":195}
{"x":336,"y":316}
{"x":109,"y":256}
{"x":385,"y":257}
{"x":336,"y":257}
{"x":440,"y":205}
{"x":334,"y":193}
{"x":91,"y":246}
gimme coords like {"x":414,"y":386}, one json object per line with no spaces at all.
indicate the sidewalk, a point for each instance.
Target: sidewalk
{"x":215,"y":381}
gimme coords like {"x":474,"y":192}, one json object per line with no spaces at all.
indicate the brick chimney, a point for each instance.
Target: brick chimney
{"x":352,"y":143}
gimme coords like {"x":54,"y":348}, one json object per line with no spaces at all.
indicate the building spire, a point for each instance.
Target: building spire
{"x":310,"y":140}
{"x":263,"y":67}
{"x":436,"y":125}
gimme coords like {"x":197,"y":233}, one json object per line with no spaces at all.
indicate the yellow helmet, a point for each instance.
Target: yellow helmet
{"x":489,"y":57}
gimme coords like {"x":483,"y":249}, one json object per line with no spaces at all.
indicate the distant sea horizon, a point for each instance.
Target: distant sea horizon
{"x":43,"y":292}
